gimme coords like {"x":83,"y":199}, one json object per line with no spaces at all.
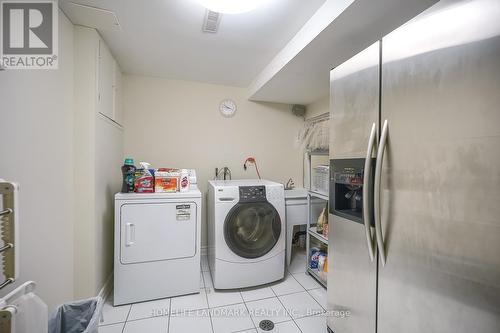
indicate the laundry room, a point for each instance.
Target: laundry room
{"x":249,"y":166}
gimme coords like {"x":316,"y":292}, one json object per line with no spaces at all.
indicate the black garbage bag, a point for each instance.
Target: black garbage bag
{"x":77,"y":317}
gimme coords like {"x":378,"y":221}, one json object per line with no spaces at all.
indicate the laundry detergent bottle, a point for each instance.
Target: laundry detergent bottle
{"x":128,"y":172}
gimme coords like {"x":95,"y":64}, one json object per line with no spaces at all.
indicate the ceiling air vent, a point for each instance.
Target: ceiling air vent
{"x":212,"y":20}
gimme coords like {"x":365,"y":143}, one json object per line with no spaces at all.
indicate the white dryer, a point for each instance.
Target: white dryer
{"x":157,"y":245}
{"x":246,"y":232}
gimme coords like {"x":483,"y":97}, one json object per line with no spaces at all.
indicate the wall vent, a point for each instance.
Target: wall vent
{"x":212,"y":20}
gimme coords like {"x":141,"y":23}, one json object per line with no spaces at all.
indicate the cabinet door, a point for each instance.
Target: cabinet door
{"x":105,"y":81}
{"x":117,"y":95}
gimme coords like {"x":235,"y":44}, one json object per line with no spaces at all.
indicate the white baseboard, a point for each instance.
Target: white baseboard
{"x":106,"y":289}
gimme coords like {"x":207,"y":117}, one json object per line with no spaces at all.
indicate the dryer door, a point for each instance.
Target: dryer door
{"x":157,"y":231}
{"x":251,"y":230}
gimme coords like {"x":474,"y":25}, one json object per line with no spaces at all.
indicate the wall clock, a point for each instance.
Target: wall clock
{"x":227,"y":108}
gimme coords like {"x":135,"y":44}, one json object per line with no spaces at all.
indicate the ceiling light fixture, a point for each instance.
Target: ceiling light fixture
{"x":232,"y":6}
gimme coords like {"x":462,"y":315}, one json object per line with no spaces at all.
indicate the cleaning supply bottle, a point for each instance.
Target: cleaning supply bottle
{"x":184,"y":180}
{"x":128,"y":172}
{"x":144,"y":180}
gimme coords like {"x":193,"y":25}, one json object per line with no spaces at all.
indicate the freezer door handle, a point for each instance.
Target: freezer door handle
{"x":366,"y":193}
{"x":376,"y":195}
{"x":130,"y":234}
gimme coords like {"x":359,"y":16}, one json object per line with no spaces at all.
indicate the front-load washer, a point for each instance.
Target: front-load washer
{"x":246,"y":232}
{"x":157,"y":245}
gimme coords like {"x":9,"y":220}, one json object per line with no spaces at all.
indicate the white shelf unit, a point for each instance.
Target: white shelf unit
{"x":315,"y":203}
{"x":312,"y":231}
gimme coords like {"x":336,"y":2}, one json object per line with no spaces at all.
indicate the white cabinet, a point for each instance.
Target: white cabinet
{"x":109,"y":85}
{"x":117,"y":95}
{"x":98,"y":154}
{"x":105,"y":69}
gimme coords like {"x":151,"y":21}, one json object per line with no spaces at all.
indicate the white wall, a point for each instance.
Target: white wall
{"x":177,"y":124}
{"x":86,"y":50}
{"x":318,"y":107}
{"x":36,"y":130}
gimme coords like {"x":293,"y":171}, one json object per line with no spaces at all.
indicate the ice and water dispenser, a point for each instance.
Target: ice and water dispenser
{"x":346,"y":188}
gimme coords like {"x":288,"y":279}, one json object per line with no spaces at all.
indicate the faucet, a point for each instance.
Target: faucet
{"x":289,"y":184}
{"x":225,"y":171}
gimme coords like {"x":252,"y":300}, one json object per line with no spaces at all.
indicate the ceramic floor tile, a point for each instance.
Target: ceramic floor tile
{"x":287,"y":286}
{"x":150,"y":309}
{"x":254,"y":294}
{"x":218,"y":298}
{"x":298,"y":263}
{"x":208,"y":279}
{"x":204,"y":264}
{"x":307,"y":281}
{"x":114,"y":328}
{"x":301,"y":305}
{"x":286,"y":327}
{"x":114,"y":314}
{"x":319,"y":295}
{"x":202,"y":281}
{"x":269,"y":308}
{"x":190,"y":321}
{"x":232,"y":318}
{"x":150,"y":325}
{"x":314,"y":324}
{"x":189,"y":302}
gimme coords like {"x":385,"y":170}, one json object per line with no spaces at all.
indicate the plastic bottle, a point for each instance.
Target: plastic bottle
{"x":128,"y":172}
{"x":184,"y":180}
{"x":144,"y":180}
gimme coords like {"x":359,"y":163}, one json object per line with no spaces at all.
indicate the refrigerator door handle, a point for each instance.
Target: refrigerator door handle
{"x":376,"y":195}
{"x":366,"y":193}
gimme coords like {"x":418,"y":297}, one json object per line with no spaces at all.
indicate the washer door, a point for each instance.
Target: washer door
{"x":252,"y":229}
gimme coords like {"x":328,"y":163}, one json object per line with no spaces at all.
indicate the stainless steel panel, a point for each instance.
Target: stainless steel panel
{"x":354,"y":103}
{"x":441,"y":175}
{"x":352,"y":278}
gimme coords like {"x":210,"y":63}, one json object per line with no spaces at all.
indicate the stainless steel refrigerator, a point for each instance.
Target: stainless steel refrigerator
{"x":415,"y":177}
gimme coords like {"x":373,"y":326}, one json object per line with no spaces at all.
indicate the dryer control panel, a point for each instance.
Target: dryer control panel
{"x":252,"y":193}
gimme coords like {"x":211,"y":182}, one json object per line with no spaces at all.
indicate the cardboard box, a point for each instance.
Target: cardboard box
{"x":167,"y":180}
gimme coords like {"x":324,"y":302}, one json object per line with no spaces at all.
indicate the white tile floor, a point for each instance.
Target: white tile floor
{"x":295,"y":304}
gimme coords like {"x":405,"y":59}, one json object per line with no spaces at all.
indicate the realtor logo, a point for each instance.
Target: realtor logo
{"x":29,"y":34}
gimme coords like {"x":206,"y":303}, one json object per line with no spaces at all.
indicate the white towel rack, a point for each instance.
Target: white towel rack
{"x":9,"y":216}
{"x":21,"y":311}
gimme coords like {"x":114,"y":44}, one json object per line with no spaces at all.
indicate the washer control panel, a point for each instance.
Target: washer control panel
{"x":252,"y":193}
